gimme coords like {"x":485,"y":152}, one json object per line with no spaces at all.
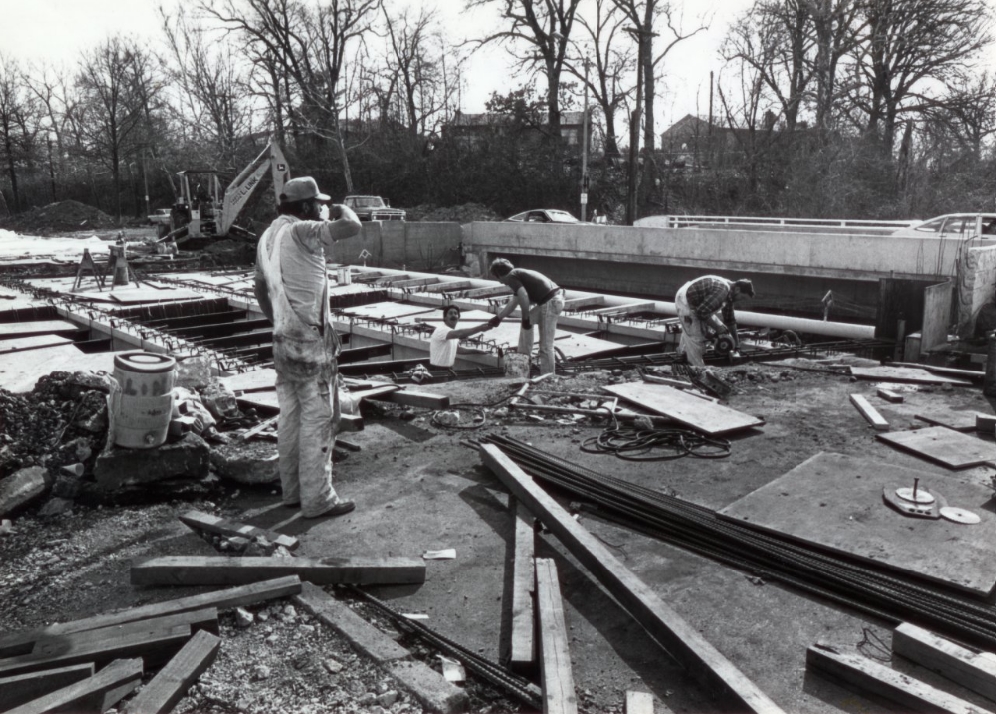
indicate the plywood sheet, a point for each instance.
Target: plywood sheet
{"x":10,"y":330}
{"x":255,"y":380}
{"x":834,"y":501}
{"x":904,"y":374}
{"x":388,"y":310}
{"x":705,"y":416}
{"x":19,"y":374}
{"x":146,"y":294}
{"x":957,"y":420}
{"x":944,"y":446}
{"x":18,"y":344}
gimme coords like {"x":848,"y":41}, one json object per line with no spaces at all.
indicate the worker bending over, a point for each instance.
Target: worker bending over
{"x":706,"y":304}
{"x":292,"y":290}
{"x":445,"y":338}
{"x":540,"y":301}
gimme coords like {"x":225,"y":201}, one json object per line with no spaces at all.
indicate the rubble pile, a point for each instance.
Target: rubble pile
{"x":60,"y":217}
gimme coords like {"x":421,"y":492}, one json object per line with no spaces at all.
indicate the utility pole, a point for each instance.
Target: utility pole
{"x":634,"y":129}
{"x":584,"y":148}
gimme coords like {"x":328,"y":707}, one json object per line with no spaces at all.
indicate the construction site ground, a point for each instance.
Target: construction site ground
{"x":418,"y":488}
{"x":421,"y":487}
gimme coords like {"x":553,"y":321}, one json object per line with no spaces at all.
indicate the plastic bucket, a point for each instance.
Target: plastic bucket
{"x":144,"y":406}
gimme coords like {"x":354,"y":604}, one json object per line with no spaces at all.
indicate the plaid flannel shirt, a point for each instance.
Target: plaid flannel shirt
{"x":709,"y":295}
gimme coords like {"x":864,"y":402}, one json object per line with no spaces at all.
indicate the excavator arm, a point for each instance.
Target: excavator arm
{"x":242,"y":187}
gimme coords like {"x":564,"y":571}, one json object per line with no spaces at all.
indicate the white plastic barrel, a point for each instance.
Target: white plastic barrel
{"x":144,"y":406}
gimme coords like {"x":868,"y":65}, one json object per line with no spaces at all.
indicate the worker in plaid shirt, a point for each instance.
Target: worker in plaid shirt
{"x":705,"y":306}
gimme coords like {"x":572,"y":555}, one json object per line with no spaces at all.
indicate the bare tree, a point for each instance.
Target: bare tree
{"x":907,"y":50}
{"x":114,"y":79}
{"x":17,"y":126}
{"x":306,"y":45}
{"x":835,"y":34}
{"x":614,"y":59}
{"x":544,"y":27}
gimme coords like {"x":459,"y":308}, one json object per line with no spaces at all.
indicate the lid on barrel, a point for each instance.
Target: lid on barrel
{"x":141,"y":361}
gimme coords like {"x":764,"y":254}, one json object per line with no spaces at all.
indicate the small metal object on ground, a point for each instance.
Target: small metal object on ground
{"x":960,"y":515}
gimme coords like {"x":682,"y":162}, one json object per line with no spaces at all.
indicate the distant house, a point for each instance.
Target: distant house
{"x":696,"y":141}
{"x":472,"y":129}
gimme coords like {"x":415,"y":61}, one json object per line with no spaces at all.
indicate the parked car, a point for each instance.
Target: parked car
{"x":543,"y":215}
{"x":159,"y":217}
{"x":953,"y":225}
{"x":373,"y":208}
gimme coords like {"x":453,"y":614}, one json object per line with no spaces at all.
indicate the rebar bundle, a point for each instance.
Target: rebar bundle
{"x":886,"y":594}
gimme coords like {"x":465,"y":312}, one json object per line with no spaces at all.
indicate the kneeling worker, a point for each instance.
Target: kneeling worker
{"x":707,"y":303}
{"x":445,"y":338}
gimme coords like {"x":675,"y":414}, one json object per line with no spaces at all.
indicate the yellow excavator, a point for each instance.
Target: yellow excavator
{"x":204,"y":211}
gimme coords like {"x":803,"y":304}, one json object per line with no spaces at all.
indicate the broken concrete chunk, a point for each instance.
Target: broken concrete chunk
{"x":219,"y":399}
{"x":22,"y":487}
{"x":55,"y":506}
{"x":247,"y":462}
{"x":243,"y":618}
{"x":187,"y":458}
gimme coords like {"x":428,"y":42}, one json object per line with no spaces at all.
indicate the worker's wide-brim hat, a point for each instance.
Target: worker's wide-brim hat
{"x":301,"y":189}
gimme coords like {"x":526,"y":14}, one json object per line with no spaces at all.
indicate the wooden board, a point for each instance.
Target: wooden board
{"x":959,"y":421}
{"x":18,"y":374}
{"x":944,"y":446}
{"x":251,"y":381}
{"x":22,"y":688}
{"x":10,"y":330}
{"x":973,"y":670}
{"x":559,"y":696}
{"x":870,"y":677}
{"x":387,"y":310}
{"x":834,"y":501}
{"x":699,"y":414}
{"x":111,"y":684}
{"x":869,"y":412}
{"x":212,"y":524}
{"x":137,"y":296}
{"x":682,"y":641}
{"x":18,"y":643}
{"x":522,"y":656}
{"x":905,"y":374}
{"x":171,"y":683}
{"x":222,"y":570}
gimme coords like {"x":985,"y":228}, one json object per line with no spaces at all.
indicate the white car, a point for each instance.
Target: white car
{"x":543,"y":215}
{"x":953,"y":225}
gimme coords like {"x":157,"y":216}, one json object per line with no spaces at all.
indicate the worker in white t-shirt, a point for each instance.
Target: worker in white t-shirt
{"x":444,"y":340}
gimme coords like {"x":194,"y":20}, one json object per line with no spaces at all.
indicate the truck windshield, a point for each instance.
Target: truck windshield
{"x":368,"y":202}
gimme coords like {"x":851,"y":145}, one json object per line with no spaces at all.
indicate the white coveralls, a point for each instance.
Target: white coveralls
{"x":305,"y":362}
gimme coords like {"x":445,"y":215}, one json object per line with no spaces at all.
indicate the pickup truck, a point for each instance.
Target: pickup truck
{"x":373,"y":208}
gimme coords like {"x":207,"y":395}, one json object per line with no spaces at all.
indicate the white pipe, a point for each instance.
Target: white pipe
{"x":845,"y":330}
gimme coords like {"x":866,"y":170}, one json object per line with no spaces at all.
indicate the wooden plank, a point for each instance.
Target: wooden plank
{"x":936,"y":315}
{"x":959,"y":421}
{"x":223,"y":570}
{"x":559,"y":696}
{"x":364,"y":636}
{"x":373,"y":392}
{"x":154,"y":647}
{"x":871,"y":677}
{"x":53,"y":645}
{"x":135,"y":296}
{"x":869,"y":412}
{"x":446,"y":286}
{"x":21,"y":688}
{"x":23,"y":344}
{"x":682,"y":641}
{"x":522,"y":657}
{"x":944,"y":371}
{"x":699,"y":414}
{"x":834,"y":502}
{"x":943,"y":446}
{"x":19,"y":643}
{"x":973,"y":670}
{"x":905,"y":374}
{"x":10,"y":330}
{"x":889,"y":395}
{"x":170,"y":685}
{"x":200,"y":521}
{"x":411,"y":398}
{"x":639,"y":703}
{"x":121,"y":676}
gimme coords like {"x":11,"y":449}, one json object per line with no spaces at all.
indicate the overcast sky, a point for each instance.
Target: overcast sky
{"x":57,"y":30}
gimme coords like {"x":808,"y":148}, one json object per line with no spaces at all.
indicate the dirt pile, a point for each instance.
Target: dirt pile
{"x":464,"y":213}
{"x":60,"y":217}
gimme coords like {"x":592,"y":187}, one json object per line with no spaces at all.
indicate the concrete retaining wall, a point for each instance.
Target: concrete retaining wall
{"x":400,"y":244}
